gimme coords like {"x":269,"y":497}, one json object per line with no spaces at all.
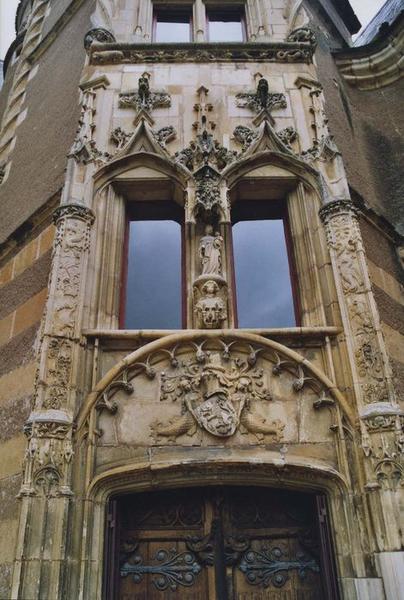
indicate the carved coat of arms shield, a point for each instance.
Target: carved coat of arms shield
{"x":217,"y":415}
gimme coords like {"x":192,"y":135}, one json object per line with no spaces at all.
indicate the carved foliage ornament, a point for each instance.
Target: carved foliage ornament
{"x":154,"y":53}
{"x":203,"y":151}
{"x":261,"y":99}
{"x":383,"y":443}
{"x":144,"y":98}
{"x":72,"y":240}
{"x":47,"y":457}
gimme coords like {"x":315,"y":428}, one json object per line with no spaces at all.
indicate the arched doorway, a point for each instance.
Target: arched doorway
{"x":221,"y":543}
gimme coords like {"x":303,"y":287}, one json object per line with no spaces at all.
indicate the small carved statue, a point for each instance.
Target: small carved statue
{"x":210,"y":252}
{"x":263,"y":92}
{"x":211,"y":308}
{"x":144,"y":90}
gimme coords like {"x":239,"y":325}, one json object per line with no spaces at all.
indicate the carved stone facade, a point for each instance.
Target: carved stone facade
{"x":207,"y":128}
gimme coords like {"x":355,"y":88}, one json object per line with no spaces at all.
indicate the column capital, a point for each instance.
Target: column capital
{"x":73,"y":211}
{"x":337,"y":207}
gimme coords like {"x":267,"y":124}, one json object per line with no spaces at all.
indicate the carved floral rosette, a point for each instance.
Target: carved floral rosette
{"x":361,"y":319}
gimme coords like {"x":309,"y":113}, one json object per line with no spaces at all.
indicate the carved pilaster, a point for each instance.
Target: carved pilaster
{"x":381,"y":419}
{"x":361,"y":320}
{"x":46,"y":493}
{"x":60,"y":346}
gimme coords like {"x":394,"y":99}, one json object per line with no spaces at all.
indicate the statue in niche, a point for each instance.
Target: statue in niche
{"x":263,"y":92}
{"x":144,"y":90}
{"x":210,"y":252}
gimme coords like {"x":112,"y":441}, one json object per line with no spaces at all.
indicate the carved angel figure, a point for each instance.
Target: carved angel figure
{"x":210,"y":252}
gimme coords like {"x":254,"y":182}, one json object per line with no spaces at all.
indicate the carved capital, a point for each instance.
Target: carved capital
{"x":336,"y":208}
{"x":73,"y":211}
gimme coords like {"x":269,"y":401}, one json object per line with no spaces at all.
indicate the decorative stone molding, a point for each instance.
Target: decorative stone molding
{"x":375,"y":65}
{"x":359,"y":309}
{"x":303,"y":34}
{"x":203,"y":151}
{"x":245,"y":136}
{"x":384,"y":443}
{"x":84,"y":149}
{"x":98,"y":35}
{"x":48,"y":455}
{"x":289,"y":52}
{"x":208,"y":200}
{"x":165,"y":135}
{"x":261,"y":101}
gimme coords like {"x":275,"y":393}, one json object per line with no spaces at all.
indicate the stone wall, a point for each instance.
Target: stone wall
{"x":23,"y":292}
{"x":50,"y":110}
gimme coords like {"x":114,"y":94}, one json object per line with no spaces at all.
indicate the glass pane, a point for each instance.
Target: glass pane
{"x":264,"y":290}
{"x":225,"y":27}
{"x":153,"y":293}
{"x":173,"y":28}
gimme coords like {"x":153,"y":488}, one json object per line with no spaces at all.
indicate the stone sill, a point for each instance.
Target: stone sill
{"x":300,"y":336}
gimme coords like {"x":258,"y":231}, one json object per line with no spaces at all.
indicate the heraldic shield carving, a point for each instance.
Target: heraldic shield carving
{"x":216,"y":393}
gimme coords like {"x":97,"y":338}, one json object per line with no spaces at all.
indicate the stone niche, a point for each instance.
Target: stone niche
{"x":215,"y":391}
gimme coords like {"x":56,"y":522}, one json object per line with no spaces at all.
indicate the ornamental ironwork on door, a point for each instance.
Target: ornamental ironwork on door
{"x":220,"y":544}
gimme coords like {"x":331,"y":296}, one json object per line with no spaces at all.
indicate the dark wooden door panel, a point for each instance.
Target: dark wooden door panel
{"x":220,"y":544}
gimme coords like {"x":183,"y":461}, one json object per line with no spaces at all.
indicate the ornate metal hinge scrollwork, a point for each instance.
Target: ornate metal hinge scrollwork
{"x":170,"y":570}
{"x":270,"y":566}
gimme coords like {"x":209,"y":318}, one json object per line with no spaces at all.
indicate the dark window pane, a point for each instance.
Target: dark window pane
{"x":172,"y":26}
{"x":264,"y":290}
{"x":153,"y":294}
{"x":225,"y":26}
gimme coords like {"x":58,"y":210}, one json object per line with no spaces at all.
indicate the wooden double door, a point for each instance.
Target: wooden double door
{"x":227,"y":543}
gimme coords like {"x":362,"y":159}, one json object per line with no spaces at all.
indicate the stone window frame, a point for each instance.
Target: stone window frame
{"x":199,"y":21}
{"x":314,"y":281}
